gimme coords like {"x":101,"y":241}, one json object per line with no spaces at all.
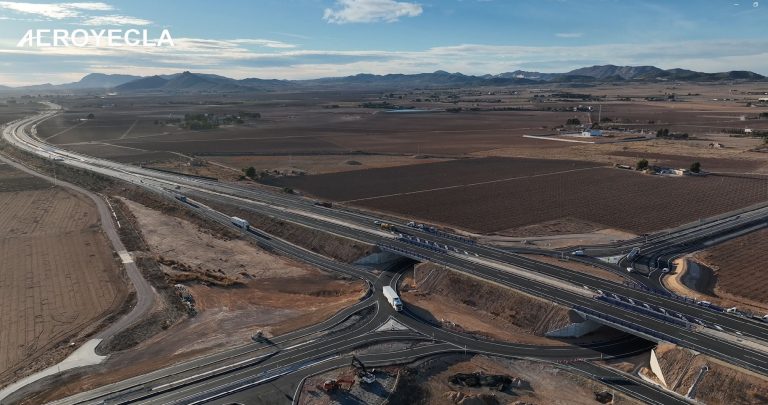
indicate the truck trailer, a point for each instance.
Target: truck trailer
{"x":393,"y":298}
{"x":240,"y":223}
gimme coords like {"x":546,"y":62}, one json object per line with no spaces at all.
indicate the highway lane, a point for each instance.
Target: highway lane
{"x":729,"y":322}
{"x":137,"y":389}
{"x":129,"y":174}
{"x":503,"y":256}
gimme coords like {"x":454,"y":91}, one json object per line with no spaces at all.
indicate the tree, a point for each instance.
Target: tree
{"x":573,"y":121}
{"x":642,"y":164}
{"x":250,"y":172}
{"x":91,"y":116}
{"x":695,"y":167}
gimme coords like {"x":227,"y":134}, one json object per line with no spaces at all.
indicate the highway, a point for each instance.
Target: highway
{"x":573,"y":289}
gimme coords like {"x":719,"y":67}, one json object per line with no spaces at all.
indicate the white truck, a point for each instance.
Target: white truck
{"x":393,"y":298}
{"x":240,"y":223}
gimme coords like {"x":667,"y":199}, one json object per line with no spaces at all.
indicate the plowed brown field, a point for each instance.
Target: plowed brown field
{"x":492,"y":195}
{"x":57,"y":273}
{"x":740,"y":266}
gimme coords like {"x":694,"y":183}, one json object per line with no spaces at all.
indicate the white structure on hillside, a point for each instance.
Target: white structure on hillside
{"x":591,"y":132}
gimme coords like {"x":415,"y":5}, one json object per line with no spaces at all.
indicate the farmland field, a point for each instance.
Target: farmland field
{"x":485,"y":199}
{"x":739,"y":265}
{"x":57,"y":277}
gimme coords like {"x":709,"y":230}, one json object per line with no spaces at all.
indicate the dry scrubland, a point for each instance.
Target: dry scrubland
{"x":268,"y":291}
{"x":238,"y":289}
{"x":721,"y":385}
{"x":467,"y":304}
{"x":541,"y":383}
{"x":58,"y":276}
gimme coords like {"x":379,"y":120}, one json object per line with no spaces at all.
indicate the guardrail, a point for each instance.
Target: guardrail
{"x":628,"y":325}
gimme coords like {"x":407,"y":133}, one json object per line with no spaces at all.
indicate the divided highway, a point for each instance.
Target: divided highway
{"x":573,"y":289}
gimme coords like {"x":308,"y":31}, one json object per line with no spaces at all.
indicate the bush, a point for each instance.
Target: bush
{"x":642,"y":164}
{"x":695,"y":167}
{"x":573,"y":121}
{"x":250,"y":172}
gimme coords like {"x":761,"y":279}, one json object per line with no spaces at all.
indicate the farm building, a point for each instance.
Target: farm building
{"x":592,"y":132}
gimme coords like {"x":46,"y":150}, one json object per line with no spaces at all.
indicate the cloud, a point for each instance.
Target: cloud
{"x":55,"y":11}
{"x":239,"y":59}
{"x":366,"y":11}
{"x":107,"y":20}
{"x":268,"y":43}
{"x":569,"y":34}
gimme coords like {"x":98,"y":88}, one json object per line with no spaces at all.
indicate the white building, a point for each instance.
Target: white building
{"x":592,"y":132}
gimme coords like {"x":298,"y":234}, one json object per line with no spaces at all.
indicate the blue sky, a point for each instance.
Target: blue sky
{"x":295,"y":39}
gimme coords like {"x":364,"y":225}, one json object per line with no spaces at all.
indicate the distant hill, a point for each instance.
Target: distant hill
{"x":613,"y":73}
{"x":188,"y":82}
{"x":100,"y":81}
{"x":182,"y":82}
{"x":145,"y":83}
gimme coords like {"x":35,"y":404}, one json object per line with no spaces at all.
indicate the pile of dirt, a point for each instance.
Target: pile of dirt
{"x":460,"y":398}
{"x":532,"y":383}
{"x":674,"y":362}
{"x":718,"y":382}
{"x":334,"y":246}
{"x":169,"y":310}
{"x":463,"y":300}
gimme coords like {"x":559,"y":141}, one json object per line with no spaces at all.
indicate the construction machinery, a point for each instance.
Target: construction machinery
{"x":363,"y":374}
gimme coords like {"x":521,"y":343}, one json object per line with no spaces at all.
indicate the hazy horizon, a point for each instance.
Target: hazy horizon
{"x":307,"y":39}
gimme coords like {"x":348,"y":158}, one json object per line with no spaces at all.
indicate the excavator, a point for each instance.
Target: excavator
{"x":362,"y":374}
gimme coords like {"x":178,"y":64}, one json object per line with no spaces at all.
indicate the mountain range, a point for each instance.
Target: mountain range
{"x":187,"y":82}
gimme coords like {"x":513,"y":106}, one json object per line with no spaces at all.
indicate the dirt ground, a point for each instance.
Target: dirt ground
{"x":58,"y":275}
{"x":486,"y":201}
{"x":191,"y":249}
{"x":579,"y":267}
{"x":540,"y":383}
{"x":273,"y":294}
{"x":720,"y":384}
{"x":309,"y":134}
{"x":739,"y":267}
{"x":319,"y":164}
{"x":466,"y":304}
{"x":676,"y":282}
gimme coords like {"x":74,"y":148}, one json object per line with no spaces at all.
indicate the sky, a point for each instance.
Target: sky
{"x":301,"y":39}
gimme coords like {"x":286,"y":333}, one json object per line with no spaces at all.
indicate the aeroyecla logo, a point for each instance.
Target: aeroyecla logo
{"x":49,"y":38}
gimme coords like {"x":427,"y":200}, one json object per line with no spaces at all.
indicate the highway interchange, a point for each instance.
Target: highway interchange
{"x":247,"y":371}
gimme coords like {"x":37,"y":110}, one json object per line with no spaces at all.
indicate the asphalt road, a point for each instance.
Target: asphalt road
{"x":360,"y":227}
{"x":145,"y":295}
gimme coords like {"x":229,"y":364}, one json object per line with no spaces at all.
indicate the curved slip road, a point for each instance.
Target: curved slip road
{"x":145,"y":294}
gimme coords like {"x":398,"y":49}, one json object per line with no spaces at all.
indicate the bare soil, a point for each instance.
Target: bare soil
{"x":739,"y":266}
{"x":485,"y":201}
{"x":321,"y":164}
{"x":333,"y":246}
{"x":722,"y":384}
{"x":579,"y":267}
{"x":467,"y":304}
{"x":541,"y":383}
{"x":58,"y":276}
{"x":273,"y":294}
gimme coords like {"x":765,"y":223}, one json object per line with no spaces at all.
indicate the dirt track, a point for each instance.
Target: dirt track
{"x":58,"y":274}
